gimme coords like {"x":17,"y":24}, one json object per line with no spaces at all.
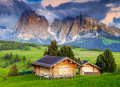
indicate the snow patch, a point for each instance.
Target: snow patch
{"x":52,"y":33}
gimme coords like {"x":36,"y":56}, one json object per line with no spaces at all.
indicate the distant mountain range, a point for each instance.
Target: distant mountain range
{"x":81,"y":30}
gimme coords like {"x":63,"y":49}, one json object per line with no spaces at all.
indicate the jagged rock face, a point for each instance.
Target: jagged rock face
{"x":31,"y":25}
{"x":66,"y":27}
{"x":82,"y":26}
{"x":56,"y":26}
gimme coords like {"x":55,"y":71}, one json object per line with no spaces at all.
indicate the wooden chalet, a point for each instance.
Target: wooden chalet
{"x":55,"y":66}
{"x":88,"y":68}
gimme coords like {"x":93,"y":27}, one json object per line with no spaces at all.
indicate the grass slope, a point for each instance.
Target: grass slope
{"x":92,"y":55}
{"x":111,"y":80}
{"x":34,"y":54}
{"x":108,"y":41}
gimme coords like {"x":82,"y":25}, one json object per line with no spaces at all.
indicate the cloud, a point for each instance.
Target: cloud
{"x":10,"y":11}
{"x":8,"y":20}
{"x":96,"y":9}
{"x":50,"y":15}
{"x":113,"y":13}
{"x":55,"y":3}
{"x":101,"y":10}
{"x":82,"y":1}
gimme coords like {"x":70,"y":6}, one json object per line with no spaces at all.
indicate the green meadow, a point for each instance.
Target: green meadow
{"x":107,"y":41}
{"x":34,"y":54}
{"x":110,"y":80}
{"x":29,"y":80}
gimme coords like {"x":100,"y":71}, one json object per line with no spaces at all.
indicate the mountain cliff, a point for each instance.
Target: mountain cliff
{"x":83,"y":26}
{"x":31,"y":25}
{"x":69,"y":30}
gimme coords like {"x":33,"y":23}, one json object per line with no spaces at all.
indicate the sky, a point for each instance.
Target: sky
{"x":105,"y":11}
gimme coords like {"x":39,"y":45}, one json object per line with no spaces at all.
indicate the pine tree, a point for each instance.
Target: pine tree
{"x":24,"y":59}
{"x":52,"y":49}
{"x":101,"y":63}
{"x":106,"y":62}
{"x":11,"y":62}
{"x":6,"y":56}
{"x":6,"y":64}
{"x":45,"y":52}
{"x":13,"y":71}
{"x":10,"y":55}
{"x":66,"y":51}
{"x":17,"y":59}
{"x":109,"y":61}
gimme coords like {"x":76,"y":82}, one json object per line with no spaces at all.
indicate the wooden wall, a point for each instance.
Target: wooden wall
{"x":40,"y":70}
{"x":71,"y":69}
{"x":89,"y":69}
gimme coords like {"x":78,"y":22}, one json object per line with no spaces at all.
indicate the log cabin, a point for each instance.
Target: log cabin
{"x":88,"y":68}
{"x":55,"y":66}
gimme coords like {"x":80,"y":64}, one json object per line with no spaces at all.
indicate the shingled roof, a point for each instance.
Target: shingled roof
{"x":83,"y":62}
{"x":86,"y":62}
{"x":49,"y":61}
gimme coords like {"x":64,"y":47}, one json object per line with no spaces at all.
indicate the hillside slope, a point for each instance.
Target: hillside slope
{"x":34,"y":54}
{"x":110,"y":80}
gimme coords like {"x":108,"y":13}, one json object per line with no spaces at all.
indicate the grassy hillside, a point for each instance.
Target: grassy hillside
{"x":33,"y":54}
{"x":111,"y":80}
{"x":109,"y":41}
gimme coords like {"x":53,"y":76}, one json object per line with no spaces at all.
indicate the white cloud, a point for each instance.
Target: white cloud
{"x":82,"y":1}
{"x":8,"y":20}
{"x":58,"y":2}
{"x":54,"y":2}
{"x":114,"y":12}
{"x":49,"y":15}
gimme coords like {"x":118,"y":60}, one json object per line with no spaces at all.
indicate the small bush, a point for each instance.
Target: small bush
{"x":13,"y":71}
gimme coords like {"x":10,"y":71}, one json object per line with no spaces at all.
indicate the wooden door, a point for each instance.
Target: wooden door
{"x":63,"y":71}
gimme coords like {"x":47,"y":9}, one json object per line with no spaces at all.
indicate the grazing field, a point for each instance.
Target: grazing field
{"x":110,"y":80}
{"x":33,"y":54}
{"x":92,"y":55}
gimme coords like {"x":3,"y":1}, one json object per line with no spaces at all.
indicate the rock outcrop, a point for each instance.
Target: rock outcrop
{"x":83,"y":26}
{"x":31,"y":25}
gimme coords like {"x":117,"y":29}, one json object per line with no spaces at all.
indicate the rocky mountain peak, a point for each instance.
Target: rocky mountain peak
{"x":32,"y":25}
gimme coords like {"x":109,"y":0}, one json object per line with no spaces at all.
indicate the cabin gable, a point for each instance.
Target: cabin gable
{"x":64,"y":69}
{"x":89,"y":69}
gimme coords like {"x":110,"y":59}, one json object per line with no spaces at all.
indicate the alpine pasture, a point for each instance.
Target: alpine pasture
{"x":110,"y":80}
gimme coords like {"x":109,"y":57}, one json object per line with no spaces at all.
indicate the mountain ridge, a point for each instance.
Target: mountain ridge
{"x":69,"y":30}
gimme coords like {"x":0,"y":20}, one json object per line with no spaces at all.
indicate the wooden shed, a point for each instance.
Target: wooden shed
{"x":88,"y":68}
{"x":55,"y":66}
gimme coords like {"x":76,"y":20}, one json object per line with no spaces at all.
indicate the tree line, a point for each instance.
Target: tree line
{"x":11,"y":45}
{"x":9,"y":57}
{"x":85,"y":49}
